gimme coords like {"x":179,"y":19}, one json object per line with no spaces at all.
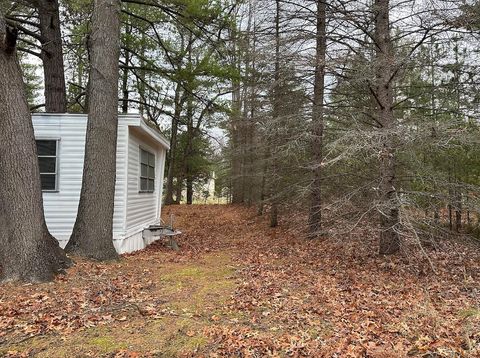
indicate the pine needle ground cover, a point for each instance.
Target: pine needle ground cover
{"x":240,"y":289}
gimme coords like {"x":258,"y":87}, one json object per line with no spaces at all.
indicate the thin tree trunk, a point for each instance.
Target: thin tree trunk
{"x":450,"y":216}
{"x":27,"y":250}
{"x":315,"y":215}
{"x":52,"y":56}
{"x":189,"y":148}
{"x":469,"y":220}
{"x":189,"y":151}
{"x":93,"y":231}
{"x":125,"y":90}
{"x":263,"y":186}
{"x":449,"y":205}
{"x":436,"y":210}
{"x":178,"y":190}
{"x":237,"y":127}
{"x":189,"y":190}
{"x":254,"y":168}
{"x":389,"y":211}
{"x":458,"y":210}
{"x":274,"y":214}
{"x":141,"y":81}
{"x":237,"y":190}
{"x":178,"y":102}
{"x":244,"y":135}
{"x":276,"y":114}
{"x":248,"y":99}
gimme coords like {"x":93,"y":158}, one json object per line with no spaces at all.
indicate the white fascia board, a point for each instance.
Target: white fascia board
{"x":155,"y":134}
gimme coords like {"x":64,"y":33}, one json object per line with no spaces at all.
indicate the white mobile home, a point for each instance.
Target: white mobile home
{"x":141,"y":153}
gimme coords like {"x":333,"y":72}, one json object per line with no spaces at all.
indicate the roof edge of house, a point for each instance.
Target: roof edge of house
{"x":151,"y":130}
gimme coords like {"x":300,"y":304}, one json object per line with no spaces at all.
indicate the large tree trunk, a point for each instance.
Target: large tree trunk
{"x":52,"y":56}
{"x":27,"y":251}
{"x":389,"y":210}
{"x":93,"y":231}
{"x":315,"y":215}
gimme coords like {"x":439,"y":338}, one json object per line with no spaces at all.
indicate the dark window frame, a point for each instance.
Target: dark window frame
{"x":56,"y":156}
{"x":147,"y":179}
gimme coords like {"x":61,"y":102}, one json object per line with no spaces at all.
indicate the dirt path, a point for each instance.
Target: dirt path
{"x":238,"y":288}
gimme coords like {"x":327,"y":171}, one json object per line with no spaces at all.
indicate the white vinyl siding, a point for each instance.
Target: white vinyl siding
{"x":130,"y":218}
{"x":143,"y":207}
{"x":61,"y":206}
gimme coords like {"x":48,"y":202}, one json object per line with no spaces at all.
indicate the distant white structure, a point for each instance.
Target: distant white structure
{"x":204,"y":191}
{"x":210,"y":186}
{"x":141,"y":153}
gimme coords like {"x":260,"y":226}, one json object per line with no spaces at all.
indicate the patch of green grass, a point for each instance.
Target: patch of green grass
{"x":184,"y":343}
{"x":195,"y":291}
{"x":470,"y":312}
{"x":106,"y":344}
{"x":199,"y":285}
{"x":177,"y":335}
{"x":214,"y":267}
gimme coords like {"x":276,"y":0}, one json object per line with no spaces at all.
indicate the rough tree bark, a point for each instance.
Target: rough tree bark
{"x":248,"y":99}
{"x":125,"y":72}
{"x":125,"y":91}
{"x":178,"y":103}
{"x":52,"y":55}
{"x":262,"y":187}
{"x":276,"y":114}
{"x":27,"y":250}
{"x":315,"y":215}
{"x":238,"y":194}
{"x":237,"y":189}
{"x":236,"y":126}
{"x":93,"y":230}
{"x":189,"y":190}
{"x":179,"y":189}
{"x":141,"y":79}
{"x":389,"y":211}
{"x":458,"y":210}
{"x":189,"y":150}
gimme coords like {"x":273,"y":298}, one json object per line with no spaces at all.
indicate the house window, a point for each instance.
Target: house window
{"x":147,"y":171}
{"x":47,"y":162}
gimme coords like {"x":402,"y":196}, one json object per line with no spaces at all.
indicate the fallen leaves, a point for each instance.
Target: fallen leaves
{"x":337,"y":298}
{"x":329,"y":298}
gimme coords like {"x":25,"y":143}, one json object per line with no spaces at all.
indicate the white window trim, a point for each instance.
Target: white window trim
{"x":57,"y":163}
{"x":148,"y":150}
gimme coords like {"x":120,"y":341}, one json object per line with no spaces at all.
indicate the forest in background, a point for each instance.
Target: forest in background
{"x":341,"y":111}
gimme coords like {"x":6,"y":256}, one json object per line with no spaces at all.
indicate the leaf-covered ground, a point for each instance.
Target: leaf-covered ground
{"x":240,"y":289}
